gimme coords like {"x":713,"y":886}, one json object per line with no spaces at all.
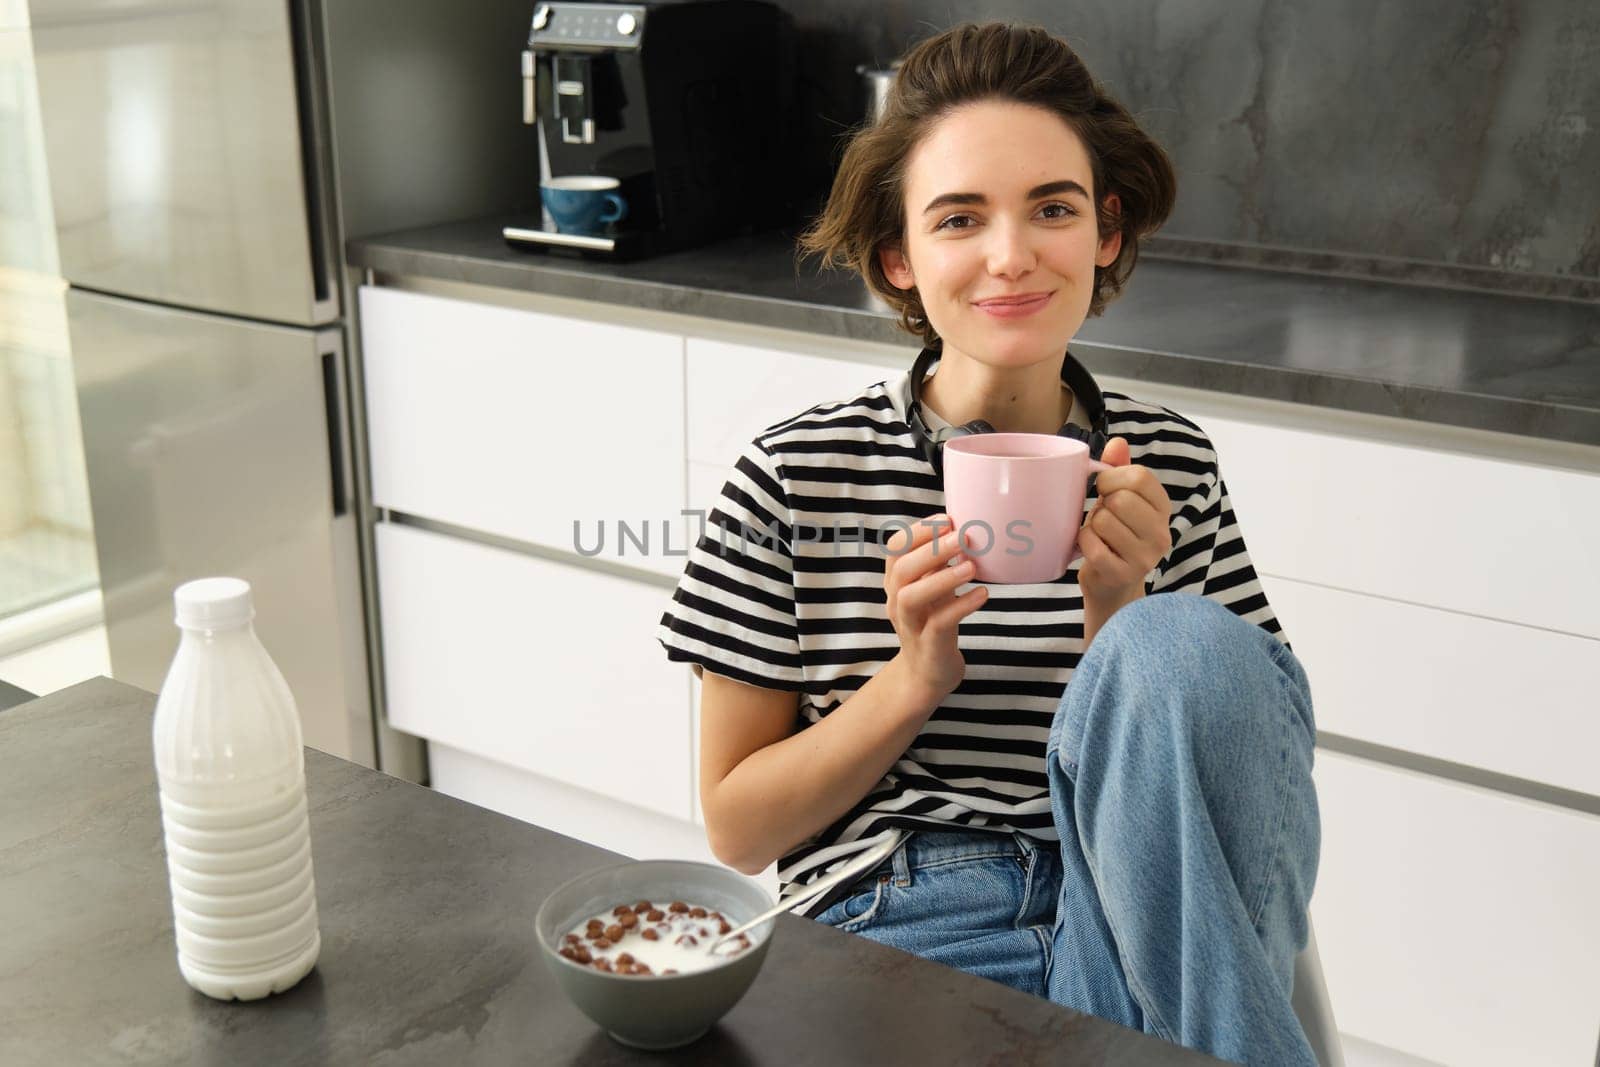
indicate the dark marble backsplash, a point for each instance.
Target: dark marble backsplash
{"x":1454,"y":140}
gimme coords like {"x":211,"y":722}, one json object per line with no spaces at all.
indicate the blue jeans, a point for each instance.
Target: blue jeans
{"x":1180,"y":780}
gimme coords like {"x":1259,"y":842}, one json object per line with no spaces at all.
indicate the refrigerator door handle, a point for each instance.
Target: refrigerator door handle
{"x":316,"y":167}
{"x":333,"y":399}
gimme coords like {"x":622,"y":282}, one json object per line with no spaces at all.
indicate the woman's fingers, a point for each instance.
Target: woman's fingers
{"x":1105,"y":563}
{"x":1135,"y":509}
{"x":1136,"y":481}
{"x":1131,"y":528}
{"x":925,"y":568}
{"x":1116,"y":453}
{"x":910,"y":535}
{"x":1120,"y":537}
{"x":923,"y":595}
{"x":945,"y":618}
{"x":931,"y":543}
{"x":1099,"y":556}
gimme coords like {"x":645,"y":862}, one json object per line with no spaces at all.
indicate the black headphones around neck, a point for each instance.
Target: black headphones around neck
{"x":1074,"y":376}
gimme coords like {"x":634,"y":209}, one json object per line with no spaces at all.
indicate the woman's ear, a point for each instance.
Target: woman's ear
{"x":896,"y":267}
{"x":1111,"y":244}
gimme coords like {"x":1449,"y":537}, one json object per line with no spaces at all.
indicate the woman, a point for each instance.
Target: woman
{"x":1139,"y":844}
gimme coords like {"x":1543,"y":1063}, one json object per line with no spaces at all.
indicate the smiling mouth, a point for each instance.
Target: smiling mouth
{"x":1014,"y":299}
{"x":1010,"y":305}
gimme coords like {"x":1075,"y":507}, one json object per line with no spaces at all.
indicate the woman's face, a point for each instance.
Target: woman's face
{"x":998,"y":205}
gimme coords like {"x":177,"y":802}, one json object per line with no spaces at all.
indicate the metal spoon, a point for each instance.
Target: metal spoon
{"x":860,"y":865}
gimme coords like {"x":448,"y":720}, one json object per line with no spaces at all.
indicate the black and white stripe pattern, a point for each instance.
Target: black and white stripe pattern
{"x":785,"y":591}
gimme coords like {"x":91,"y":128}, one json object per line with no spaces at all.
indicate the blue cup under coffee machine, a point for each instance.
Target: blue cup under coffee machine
{"x":583,"y":203}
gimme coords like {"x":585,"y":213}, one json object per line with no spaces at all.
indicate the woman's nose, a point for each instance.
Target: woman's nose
{"x":1010,"y":250}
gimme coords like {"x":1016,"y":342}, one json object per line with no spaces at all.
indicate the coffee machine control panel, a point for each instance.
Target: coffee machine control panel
{"x":577,"y":26}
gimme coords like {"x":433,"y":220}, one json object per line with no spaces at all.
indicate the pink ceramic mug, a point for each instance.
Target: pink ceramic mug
{"x":1021,"y":496}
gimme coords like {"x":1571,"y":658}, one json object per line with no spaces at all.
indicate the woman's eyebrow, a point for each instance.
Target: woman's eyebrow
{"x":946,"y":199}
{"x":1047,"y":189}
{"x":1056,"y":188}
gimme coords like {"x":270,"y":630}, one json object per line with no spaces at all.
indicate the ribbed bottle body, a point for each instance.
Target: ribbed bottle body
{"x":233,"y":809}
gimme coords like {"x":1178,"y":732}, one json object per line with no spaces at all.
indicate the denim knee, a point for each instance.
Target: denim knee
{"x":1179,"y":644}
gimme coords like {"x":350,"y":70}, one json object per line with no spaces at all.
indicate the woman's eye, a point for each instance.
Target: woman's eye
{"x":953,"y":222}
{"x":1059,"y":211}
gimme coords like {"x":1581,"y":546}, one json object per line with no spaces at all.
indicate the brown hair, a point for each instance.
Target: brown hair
{"x":996,"y":61}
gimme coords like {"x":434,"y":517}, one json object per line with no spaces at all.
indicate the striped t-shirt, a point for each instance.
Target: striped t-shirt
{"x":784,"y":590}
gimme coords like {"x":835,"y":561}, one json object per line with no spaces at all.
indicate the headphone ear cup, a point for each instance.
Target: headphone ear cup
{"x":933,"y":443}
{"x":1093,"y":438}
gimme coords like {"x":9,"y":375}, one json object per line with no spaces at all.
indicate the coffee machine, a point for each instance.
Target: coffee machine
{"x":686,"y":104}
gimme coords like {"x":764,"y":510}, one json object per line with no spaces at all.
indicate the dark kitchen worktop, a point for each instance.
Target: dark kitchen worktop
{"x":1457,"y":357}
{"x":426,"y":907}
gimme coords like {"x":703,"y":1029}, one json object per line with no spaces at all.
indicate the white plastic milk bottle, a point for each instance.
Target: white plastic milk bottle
{"x":233,"y":803}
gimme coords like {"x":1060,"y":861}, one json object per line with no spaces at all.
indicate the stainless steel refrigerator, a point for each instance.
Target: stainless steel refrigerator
{"x":198,"y":209}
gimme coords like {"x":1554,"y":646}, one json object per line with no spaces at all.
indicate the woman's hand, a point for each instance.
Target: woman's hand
{"x":1125,"y":535}
{"x":920,"y":584}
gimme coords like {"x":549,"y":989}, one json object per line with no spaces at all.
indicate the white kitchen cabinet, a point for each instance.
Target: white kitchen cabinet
{"x":542,"y":666}
{"x":521,"y":424}
{"x":579,"y":813}
{"x":734,"y":391}
{"x":1456,"y":687}
{"x":1495,"y":538}
{"x":1455,"y":923}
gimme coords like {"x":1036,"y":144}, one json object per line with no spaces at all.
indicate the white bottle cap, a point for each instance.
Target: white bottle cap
{"x":213,"y":603}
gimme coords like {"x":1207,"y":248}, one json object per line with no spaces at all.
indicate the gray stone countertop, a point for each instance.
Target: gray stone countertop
{"x":1463,"y":358}
{"x":426,"y":906}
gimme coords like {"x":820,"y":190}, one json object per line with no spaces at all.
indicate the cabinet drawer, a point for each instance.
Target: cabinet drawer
{"x":1490,"y":694}
{"x":521,"y":424}
{"x":577,"y":813}
{"x":1501,"y":539}
{"x":736,"y":390}
{"x":544,"y":667}
{"x":1454,"y":923}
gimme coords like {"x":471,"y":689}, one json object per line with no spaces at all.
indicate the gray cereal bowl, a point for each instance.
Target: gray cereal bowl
{"x":656,"y":1011}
